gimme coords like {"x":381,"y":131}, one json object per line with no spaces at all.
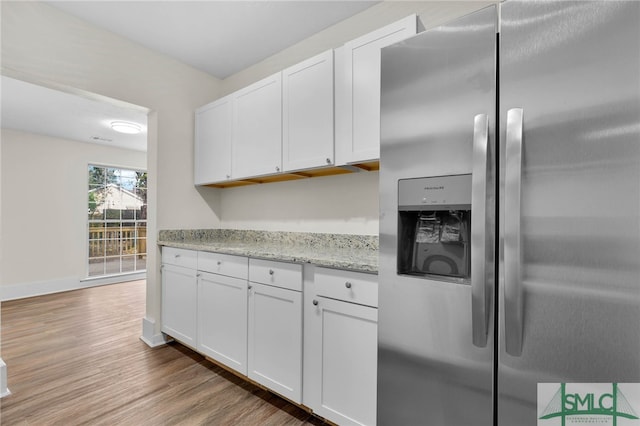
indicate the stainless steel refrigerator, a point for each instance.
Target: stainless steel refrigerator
{"x":509,"y":211}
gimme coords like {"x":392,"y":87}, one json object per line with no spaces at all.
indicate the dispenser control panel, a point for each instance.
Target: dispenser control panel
{"x":434,"y":193}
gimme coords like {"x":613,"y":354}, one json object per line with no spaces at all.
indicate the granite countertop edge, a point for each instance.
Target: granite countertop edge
{"x":357,"y":253}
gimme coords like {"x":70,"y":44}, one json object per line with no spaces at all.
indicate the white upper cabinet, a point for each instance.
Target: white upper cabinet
{"x":257,"y":127}
{"x":358,"y":95}
{"x":307,"y":115}
{"x":324,"y":111}
{"x":212,"y":150}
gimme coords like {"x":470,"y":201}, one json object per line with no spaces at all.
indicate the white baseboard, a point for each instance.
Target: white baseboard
{"x":4,"y":390}
{"x":39,"y":288}
{"x":149,"y":336}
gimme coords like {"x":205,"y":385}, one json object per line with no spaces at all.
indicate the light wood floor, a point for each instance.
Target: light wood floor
{"x":75,"y":358}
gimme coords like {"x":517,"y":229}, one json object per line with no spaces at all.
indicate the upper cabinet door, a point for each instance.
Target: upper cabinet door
{"x":212,"y":150}
{"x":257,"y":127}
{"x":359,"y":103}
{"x":307,"y":100}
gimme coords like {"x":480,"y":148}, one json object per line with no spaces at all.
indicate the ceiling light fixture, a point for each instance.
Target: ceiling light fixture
{"x":126,"y":127}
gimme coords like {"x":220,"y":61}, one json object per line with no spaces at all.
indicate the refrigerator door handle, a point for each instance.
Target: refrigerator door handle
{"x":480,"y":261}
{"x":513,"y":301}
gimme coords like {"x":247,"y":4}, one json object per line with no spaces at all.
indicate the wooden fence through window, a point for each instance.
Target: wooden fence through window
{"x":118,"y":241}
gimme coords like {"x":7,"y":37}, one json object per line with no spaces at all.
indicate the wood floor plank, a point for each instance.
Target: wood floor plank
{"x":75,"y":358}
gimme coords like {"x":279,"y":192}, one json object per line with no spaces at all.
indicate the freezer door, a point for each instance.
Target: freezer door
{"x":569,"y":303}
{"x":435,"y":334}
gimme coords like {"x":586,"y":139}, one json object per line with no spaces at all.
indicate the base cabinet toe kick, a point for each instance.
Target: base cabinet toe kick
{"x":304,"y":332}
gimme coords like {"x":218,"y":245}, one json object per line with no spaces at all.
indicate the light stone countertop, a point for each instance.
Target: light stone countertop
{"x":341,"y":251}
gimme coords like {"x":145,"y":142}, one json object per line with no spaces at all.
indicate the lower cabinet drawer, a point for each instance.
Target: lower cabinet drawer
{"x":354,"y":287}
{"x":180,"y":257}
{"x":223,"y":264}
{"x":278,"y":274}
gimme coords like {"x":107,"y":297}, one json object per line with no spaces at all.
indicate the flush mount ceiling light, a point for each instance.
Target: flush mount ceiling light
{"x":126,"y":127}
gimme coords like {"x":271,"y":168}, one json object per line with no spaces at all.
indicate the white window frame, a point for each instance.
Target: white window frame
{"x":136,"y":221}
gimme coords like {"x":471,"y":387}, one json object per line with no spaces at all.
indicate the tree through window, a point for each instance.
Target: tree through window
{"x":117,"y":211}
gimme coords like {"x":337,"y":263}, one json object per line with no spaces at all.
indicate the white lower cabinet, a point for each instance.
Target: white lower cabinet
{"x":275,"y":327}
{"x":179,"y":302}
{"x":341,"y":344}
{"x":248,"y":315}
{"x":222,"y":308}
{"x":222,"y":319}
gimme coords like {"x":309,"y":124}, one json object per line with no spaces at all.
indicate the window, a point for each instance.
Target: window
{"x":117,"y":206}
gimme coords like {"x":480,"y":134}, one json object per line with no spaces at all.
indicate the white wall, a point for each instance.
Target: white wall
{"x":335,"y":204}
{"x":46,"y":46}
{"x":42,"y":45}
{"x":44,"y":217}
{"x":338,"y":204}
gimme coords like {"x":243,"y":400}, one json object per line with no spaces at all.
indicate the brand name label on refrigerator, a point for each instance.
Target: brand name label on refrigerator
{"x":615,"y":404}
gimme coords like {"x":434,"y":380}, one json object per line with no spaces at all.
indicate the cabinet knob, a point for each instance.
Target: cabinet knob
{"x":176,"y":256}
{"x":198,"y":275}
{"x":328,"y":160}
{"x":219,"y":262}
{"x":249,"y":286}
{"x":271,"y":272}
{"x":228,"y":176}
{"x":315,"y":302}
{"x":277,"y":169}
{"x":347,"y":284}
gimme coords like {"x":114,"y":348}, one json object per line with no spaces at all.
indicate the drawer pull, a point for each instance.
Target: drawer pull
{"x":315,"y":302}
{"x":347,"y":284}
{"x":176,"y":256}
{"x":271,"y":272}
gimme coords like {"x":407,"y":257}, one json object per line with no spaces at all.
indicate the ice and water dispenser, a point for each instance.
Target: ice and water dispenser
{"x":434,"y":227}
